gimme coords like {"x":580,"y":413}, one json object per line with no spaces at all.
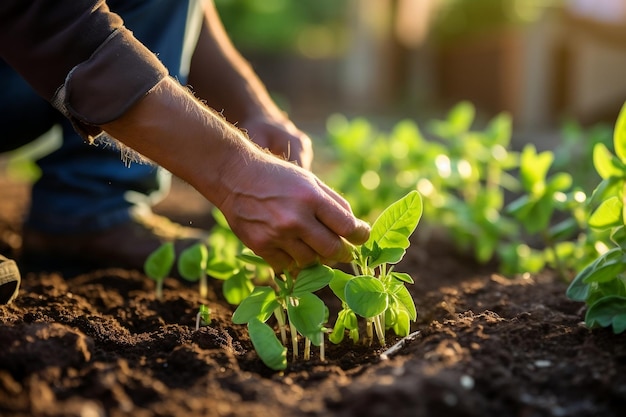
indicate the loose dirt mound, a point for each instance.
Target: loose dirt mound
{"x":97,"y":343}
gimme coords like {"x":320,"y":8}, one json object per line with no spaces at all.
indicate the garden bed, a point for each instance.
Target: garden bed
{"x":98,"y":343}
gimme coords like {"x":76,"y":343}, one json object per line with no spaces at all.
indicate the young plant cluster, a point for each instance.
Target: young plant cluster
{"x":554,"y":216}
{"x":602,"y":283}
{"x":468,"y":179}
{"x":375,"y":293}
{"x":222,"y":256}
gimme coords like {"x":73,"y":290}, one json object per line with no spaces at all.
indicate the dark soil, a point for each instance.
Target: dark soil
{"x":97,"y":343}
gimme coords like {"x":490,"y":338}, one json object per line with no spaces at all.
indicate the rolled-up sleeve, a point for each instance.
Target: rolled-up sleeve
{"x":79,"y":56}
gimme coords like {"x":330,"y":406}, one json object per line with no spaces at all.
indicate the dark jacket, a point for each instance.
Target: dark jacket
{"x":78,"y":55}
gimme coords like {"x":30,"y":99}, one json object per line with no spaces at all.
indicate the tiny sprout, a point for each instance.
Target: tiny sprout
{"x":203,"y":318}
{"x":192,"y":264}
{"x":159,"y":264}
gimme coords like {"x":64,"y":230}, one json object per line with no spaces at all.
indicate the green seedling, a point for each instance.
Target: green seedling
{"x":293,"y":303}
{"x":222,"y":256}
{"x":159,"y":264}
{"x":376,"y":292}
{"x":230,"y":261}
{"x":192,"y":265}
{"x":602,"y":284}
{"x":383,"y":166}
{"x":464,"y":175}
{"x":543,"y":197}
{"x":203,"y":318}
{"x":469,"y":179}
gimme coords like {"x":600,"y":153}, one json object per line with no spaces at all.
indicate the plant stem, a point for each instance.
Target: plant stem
{"x":379,"y":323}
{"x":368,"y":331}
{"x":355,"y":268}
{"x":294,"y":340}
{"x":307,"y":348}
{"x":198,"y":321}
{"x":159,"y":289}
{"x":280,"y":318}
{"x":322,"y":351}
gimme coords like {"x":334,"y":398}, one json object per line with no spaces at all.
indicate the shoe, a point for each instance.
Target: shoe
{"x":9,"y":280}
{"x":126,"y":245}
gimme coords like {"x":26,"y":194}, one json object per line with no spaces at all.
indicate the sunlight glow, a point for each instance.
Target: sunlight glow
{"x":425,"y":187}
{"x":406,"y":179}
{"x":442,"y":162}
{"x":465,"y":169}
{"x":580,"y":197}
{"x":560,"y":197}
{"x":370,"y":180}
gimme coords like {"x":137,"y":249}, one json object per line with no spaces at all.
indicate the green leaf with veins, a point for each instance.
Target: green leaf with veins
{"x":396,"y":223}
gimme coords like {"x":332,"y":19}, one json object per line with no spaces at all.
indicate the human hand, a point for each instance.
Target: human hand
{"x":281,"y":137}
{"x":279,"y":210}
{"x":286,"y":215}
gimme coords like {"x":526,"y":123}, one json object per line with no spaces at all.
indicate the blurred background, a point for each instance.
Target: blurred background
{"x":543,"y":61}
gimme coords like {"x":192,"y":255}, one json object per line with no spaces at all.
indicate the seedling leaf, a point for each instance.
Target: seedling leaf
{"x":402,"y":295}
{"x":396,"y":223}
{"x":607,"y":311}
{"x":338,"y":283}
{"x":237,"y":288}
{"x":159,"y":263}
{"x":608,"y":214}
{"x":606,"y":164}
{"x":366,"y":296}
{"x":312,"y":279}
{"x":619,"y":134}
{"x":534,"y":168}
{"x":402,"y":276}
{"x":606,"y":271}
{"x":387,"y":256}
{"x":250,"y":257}
{"x":338,"y":333}
{"x":307,"y":313}
{"x":259,"y":304}
{"x":579,"y":289}
{"x":268,"y":347}
{"x":219,"y":269}
{"x":205,"y":313}
{"x":402,"y":325}
{"x":192,"y":262}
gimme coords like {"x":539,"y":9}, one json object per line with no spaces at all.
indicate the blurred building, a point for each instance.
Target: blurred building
{"x":540,"y":60}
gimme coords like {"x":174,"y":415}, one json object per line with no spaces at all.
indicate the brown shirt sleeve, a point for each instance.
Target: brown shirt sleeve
{"x":78,"y":55}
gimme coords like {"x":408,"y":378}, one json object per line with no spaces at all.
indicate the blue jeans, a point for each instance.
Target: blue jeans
{"x":87,"y":188}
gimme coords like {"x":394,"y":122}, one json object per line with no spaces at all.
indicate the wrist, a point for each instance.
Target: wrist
{"x":173,"y":129}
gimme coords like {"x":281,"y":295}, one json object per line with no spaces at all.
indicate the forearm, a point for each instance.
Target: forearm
{"x":279,"y":210}
{"x":171,"y":128}
{"x":220,"y":76}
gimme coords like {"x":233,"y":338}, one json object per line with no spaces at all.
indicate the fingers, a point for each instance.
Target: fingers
{"x":302,"y":254}
{"x":303,"y":154}
{"x":339,"y":219}
{"x":322,"y":246}
{"x":290,"y":218}
{"x":278,"y":259}
{"x":282,"y":138}
{"x":329,"y":235}
{"x":335,"y":196}
{"x":327,"y":245}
